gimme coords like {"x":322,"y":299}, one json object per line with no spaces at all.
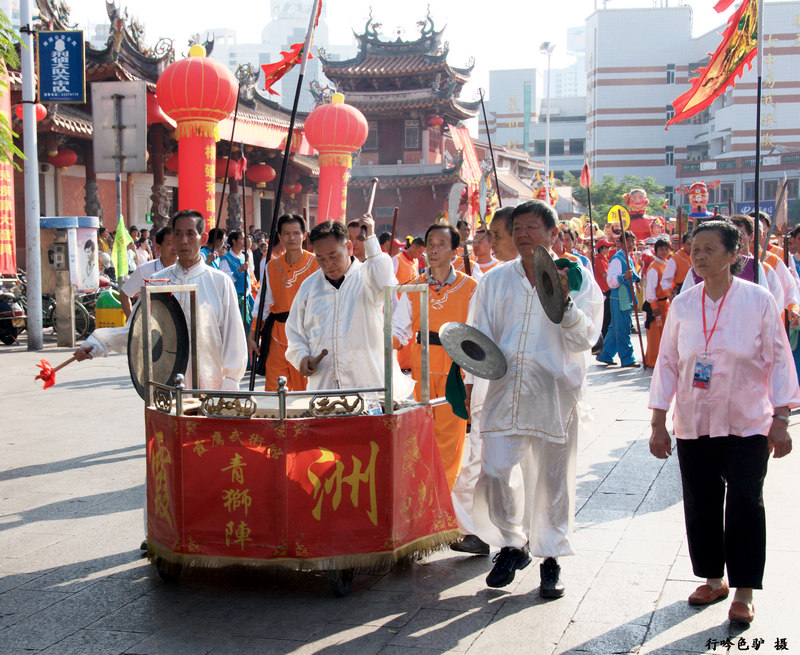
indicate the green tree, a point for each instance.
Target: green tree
{"x":8,"y":59}
{"x":608,"y":192}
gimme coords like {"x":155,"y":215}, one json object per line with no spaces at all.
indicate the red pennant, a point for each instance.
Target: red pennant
{"x":47,"y":374}
{"x":586,"y":176}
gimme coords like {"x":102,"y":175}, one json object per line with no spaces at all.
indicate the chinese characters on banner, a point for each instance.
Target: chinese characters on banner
{"x":8,"y":255}
{"x":265,"y":489}
{"x":61,"y":66}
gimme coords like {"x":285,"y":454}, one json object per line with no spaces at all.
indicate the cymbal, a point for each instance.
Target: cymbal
{"x":472,"y":350}
{"x":169,"y":342}
{"x":548,"y":284}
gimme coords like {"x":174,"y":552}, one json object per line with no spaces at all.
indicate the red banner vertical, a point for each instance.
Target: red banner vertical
{"x":8,"y":254}
{"x":196,"y":170}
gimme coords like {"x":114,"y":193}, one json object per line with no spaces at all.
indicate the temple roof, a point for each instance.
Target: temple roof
{"x":447,"y":176}
{"x":401,"y":102}
{"x":381,"y":65}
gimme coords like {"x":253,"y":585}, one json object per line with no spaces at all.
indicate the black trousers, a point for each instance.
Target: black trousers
{"x":606,"y":312}
{"x":723,"y":503}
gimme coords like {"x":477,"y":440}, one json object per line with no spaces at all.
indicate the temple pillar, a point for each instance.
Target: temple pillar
{"x":159,"y":198}
{"x":92,"y":205}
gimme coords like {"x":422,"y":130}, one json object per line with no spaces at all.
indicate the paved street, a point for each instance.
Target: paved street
{"x":72,"y":580}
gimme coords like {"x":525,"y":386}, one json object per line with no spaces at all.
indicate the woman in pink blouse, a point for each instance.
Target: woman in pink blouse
{"x":726,"y":361}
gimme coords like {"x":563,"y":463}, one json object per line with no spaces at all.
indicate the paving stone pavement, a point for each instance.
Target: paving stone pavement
{"x":72,"y":580}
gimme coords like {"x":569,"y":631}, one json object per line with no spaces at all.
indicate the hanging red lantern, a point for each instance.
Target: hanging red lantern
{"x":436,"y":121}
{"x":155,"y":113}
{"x":172,"y":162}
{"x":220,"y":165}
{"x":294,"y":188}
{"x":41,"y":111}
{"x":260,"y":174}
{"x":64,"y":158}
{"x":336,"y":130}
{"x":198,"y":93}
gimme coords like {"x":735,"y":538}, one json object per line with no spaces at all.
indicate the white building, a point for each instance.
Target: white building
{"x":632,"y":82}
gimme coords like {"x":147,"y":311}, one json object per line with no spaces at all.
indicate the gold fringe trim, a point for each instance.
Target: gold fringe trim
{"x":335,"y":159}
{"x":208,"y":129}
{"x":361,"y":563}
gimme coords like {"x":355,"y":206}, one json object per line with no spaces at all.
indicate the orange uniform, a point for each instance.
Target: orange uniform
{"x":683,"y":263}
{"x":284,"y":283}
{"x":458,"y":264}
{"x":449,"y":302}
{"x":657,"y":325}
{"x":406,"y":272}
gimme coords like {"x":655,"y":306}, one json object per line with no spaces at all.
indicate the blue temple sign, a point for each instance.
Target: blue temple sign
{"x":61,"y":66}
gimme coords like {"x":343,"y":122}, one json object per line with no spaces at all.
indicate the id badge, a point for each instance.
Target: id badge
{"x":702,"y":374}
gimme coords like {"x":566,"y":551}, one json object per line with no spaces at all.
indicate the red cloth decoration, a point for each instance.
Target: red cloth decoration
{"x":586,"y":176}
{"x":47,"y":374}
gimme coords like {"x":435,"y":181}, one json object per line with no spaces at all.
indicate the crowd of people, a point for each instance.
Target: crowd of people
{"x":509,"y":454}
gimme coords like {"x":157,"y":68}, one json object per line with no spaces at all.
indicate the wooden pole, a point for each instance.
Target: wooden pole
{"x":491,"y":152}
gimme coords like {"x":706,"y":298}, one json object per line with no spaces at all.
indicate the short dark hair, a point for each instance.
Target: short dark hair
{"x":215,"y":233}
{"x":660,"y":243}
{"x":162,"y":234}
{"x":461,"y":223}
{"x":335,"y":229}
{"x":763,"y":216}
{"x":686,"y":236}
{"x":538,"y":208}
{"x":417,"y":241}
{"x":233,"y":236}
{"x":291,"y":218}
{"x":628,"y":235}
{"x":504,"y":216}
{"x":385,"y":237}
{"x":730,"y":236}
{"x":101,"y":230}
{"x":200,"y":222}
{"x":455,"y":237}
{"x":132,"y":228}
{"x":741,"y":220}
{"x":795,"y":231}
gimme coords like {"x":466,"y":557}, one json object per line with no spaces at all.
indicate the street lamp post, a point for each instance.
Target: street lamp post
{"x":547,"y":49}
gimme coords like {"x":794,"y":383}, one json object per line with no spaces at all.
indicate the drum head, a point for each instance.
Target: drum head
{"x":169,"y":342}
{"x":548,"y":284}
{"x":473,"y":351}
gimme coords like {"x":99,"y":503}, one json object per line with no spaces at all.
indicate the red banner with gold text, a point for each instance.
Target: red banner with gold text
{"x":323,"y":493}
{"x":8,"y":254}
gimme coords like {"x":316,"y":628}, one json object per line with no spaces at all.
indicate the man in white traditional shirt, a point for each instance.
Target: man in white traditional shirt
{"x":221,"y":344}
{"x":525,"y":497}
{"x":340,"y":309}
{"x":133,"y":285}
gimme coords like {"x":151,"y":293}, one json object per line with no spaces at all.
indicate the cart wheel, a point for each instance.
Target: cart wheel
{"x":169,"y":572}
{"x":341,"y":582}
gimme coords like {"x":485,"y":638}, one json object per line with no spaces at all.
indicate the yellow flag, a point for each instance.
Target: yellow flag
{"x":119,"y":251}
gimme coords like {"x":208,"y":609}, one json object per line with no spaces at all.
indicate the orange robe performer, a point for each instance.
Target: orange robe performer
{"x":658,"y":299}
{"x":448,"y":300}
{"x":678,"y":266}
{"x":283,"y":283}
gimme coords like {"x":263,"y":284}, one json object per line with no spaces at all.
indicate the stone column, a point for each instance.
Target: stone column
{"x":234,"y":204}
{"x":159,"y":207}
{"x":92,"y":205}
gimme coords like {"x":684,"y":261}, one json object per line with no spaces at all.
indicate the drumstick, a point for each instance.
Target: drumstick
{"x":312,"y":365}
{"x":363,"y":233}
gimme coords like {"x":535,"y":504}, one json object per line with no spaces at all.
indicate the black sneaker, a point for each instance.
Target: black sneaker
{"x":472,"y":545}
{"x":506,"y":562}
{"x":551,"y":586}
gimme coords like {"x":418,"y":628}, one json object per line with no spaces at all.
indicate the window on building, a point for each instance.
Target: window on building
{"x":577,"y":146}
{"x":770,"y":189}
{"x":412,"y":135}
{"x":669,"y":195}
{"x":726,"y":191}
{"x":556,"y":146}
{"x":670,"y":73}
{"x":749,"y":189}
{"x":670,"y":112}
{"x":372,"y":136}
{"x":538,"y":148}
{"x":669,"y":155}
{"x":792,"y":188}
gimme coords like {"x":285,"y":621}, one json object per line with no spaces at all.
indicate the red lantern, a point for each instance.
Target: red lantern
{"x":294,"y":188}
{"x":436,"y":121}
{"x":260,"y":174}
{"x":336,"y":130}
{"x":220,"y":165}
{"x":154,"y":112}
{"x":65,"y":158}
{"x":198,"y":93}
{"x":41,"y":111}
{"x":172,"y":162}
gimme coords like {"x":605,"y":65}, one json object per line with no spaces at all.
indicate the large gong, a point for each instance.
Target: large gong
{"x":472,"y":350}
{"x":169,"y":341}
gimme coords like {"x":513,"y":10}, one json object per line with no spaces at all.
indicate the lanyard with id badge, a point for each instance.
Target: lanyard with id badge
{"x":704,"y":366}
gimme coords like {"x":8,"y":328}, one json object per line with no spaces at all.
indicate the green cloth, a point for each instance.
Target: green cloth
{"x":456,"y":393}
{"x":793,"y":332}
{"x":574,"y":275}
{"x":624,"y":298}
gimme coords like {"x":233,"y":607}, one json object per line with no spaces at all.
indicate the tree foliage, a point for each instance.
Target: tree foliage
{"x":8,"y":59}
{"x":608,"y":192}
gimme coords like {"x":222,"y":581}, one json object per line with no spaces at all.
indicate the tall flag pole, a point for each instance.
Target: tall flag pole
{"x":756,"y":196}
{"x":305,"y":55}
{"x":586,"y":182}
{"x":491,"y":151}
